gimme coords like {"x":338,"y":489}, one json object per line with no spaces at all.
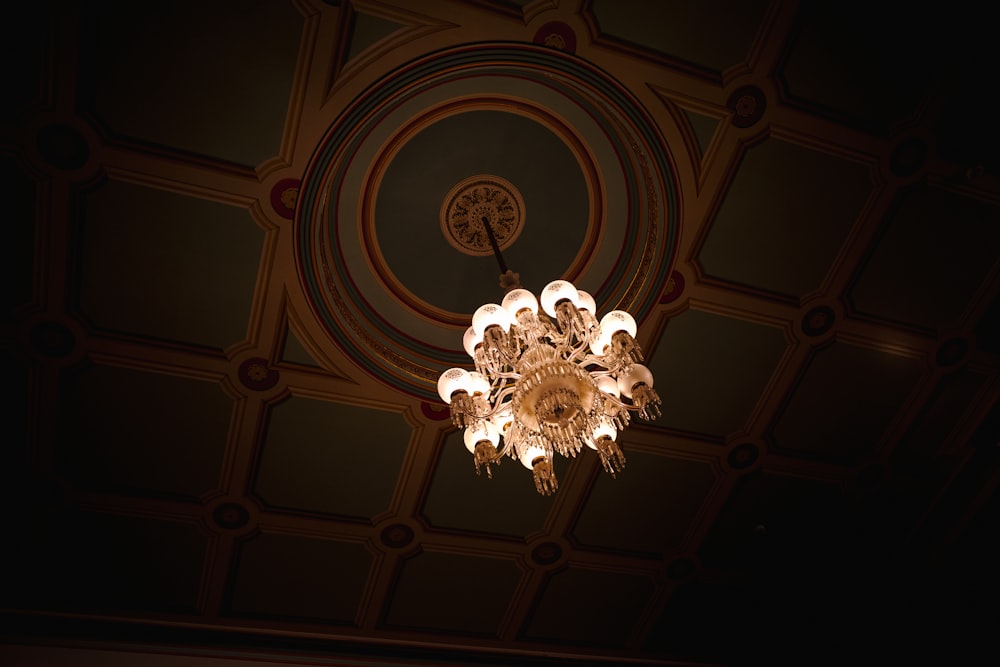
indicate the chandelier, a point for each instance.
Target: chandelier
{"x":550,"y":378}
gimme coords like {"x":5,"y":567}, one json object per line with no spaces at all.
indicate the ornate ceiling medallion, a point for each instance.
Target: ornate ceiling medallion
{"x":480,"y":199}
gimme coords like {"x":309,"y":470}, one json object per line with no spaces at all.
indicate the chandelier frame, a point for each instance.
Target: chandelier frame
{"x":548,"y":380}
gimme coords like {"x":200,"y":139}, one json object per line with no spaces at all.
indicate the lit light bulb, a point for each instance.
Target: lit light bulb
{"x":556,"y":291}
{"x":479,"y":431}
{"x":487,"y":315}
{"x":530,"y":454}
{"x":452,"y":380}
{"x":470,"y":340}
{"x":517,"y":300}
{"x":637,"y":374}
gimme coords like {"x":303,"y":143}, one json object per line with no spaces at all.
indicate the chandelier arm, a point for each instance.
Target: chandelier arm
{"x":499,"y":401}
{"x":579,"y":353}
{"x":597,"y":360}
{"x":495,"y":406}
{"x":506,"y":375}
{"x":560,"y":337}
{"x":505,"y":448}
{"x":510,"y":356}
{"x":621,"y":404}
{"x":549,"y":328}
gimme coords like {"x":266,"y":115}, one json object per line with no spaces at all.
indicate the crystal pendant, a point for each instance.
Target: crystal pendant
{"x":486,"y":454}
{"x":611,"y":455}
{"x":623,"y":351}
{"x":647,"y":400}
{"x":461,"y":409}
{"x":545,"y":477}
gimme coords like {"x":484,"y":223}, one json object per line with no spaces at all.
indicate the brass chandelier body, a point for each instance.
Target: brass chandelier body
{"x":549,"y":378}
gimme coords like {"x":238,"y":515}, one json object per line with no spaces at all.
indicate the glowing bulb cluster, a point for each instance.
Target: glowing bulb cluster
{"x":549,"y":378}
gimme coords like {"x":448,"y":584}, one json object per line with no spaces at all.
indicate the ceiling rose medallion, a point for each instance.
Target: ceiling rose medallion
{"x":479,"y":198}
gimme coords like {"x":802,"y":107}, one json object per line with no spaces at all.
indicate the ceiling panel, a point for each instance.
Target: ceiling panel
{"x":471,"y":593}
{"x":934,"y":251}
{"x":771,"y":508}
{"x":193,"y":284}
{"x":674,"y":28}
{"x":863,"y":390}
{"x":282,"y":576}
{"x":568,"y":611}
{"x":796,"y":235}
{"x":166,"y":436}
{"x":954,"y":398}
{"x":868,"y":72}
{"x":704,"y":397}
{"x":314,"y":450}
{"x":192,"y":77}
{"x":504,"y":504}
{"x":670,"y":491}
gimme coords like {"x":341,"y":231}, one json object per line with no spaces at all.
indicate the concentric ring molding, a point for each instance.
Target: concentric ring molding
{"x":624,"y":248}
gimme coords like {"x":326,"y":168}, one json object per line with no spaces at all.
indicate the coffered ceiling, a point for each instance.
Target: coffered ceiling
{"x":231,"y":284}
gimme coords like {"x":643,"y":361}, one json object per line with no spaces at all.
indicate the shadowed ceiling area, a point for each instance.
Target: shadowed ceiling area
{"x":233,"y":273}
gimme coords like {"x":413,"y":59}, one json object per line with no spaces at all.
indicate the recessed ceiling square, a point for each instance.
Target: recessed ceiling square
{"x":331,"y":458}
